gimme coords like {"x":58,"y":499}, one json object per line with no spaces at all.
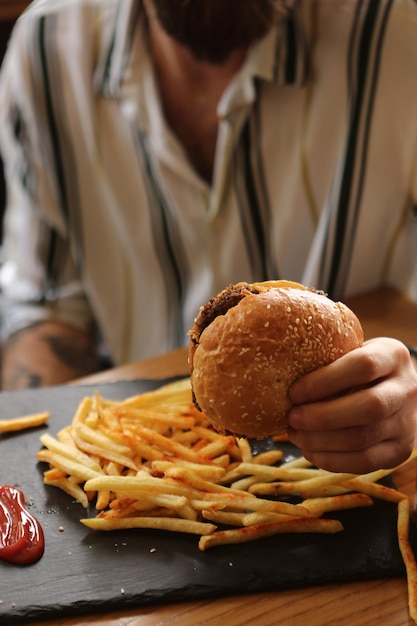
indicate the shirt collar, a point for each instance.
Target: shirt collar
{"x":281,"y":57}
{"x":115,"y":48}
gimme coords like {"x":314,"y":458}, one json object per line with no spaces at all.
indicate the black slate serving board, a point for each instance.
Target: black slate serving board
{"x":84,"y":571}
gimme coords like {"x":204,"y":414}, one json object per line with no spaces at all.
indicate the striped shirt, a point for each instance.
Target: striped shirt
{"x":108,"y":226}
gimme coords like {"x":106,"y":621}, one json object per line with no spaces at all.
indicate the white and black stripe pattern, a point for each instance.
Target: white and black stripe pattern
{"x":60,"y":152}
{"x":166,"y":241}
{"x":165,"y":230}
{"x":252,"y":198}
{"x":248,"y":168}
{"x":291,"y":53}
{"x":367,"y":37}
{"x":110,"y":71}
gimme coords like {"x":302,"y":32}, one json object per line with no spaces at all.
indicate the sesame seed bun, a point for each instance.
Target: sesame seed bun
{"x":251,"y":342}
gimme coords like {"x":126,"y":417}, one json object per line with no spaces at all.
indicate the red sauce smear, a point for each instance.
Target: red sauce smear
{"x":21,"y":535}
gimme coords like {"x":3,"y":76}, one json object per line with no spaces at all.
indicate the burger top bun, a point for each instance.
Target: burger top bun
{"x":252,"y":341}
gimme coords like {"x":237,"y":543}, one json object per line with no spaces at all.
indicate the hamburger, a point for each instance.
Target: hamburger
{"x":252,"y":341}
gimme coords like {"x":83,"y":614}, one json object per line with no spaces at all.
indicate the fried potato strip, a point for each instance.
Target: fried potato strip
{"x":403,"y":525}
{"x":24,"y":422}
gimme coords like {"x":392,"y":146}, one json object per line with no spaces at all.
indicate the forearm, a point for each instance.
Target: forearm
{"x":46,"y":354}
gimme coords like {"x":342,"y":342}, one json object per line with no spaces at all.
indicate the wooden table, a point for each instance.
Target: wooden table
{"x":373,"y":603}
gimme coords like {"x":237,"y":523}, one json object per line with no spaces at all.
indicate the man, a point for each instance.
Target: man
{"x":157,"y":152}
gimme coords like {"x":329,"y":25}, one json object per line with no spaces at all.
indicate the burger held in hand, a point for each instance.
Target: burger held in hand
{"x":252,"y":341}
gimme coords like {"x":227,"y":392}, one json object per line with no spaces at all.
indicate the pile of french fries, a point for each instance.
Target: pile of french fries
{"x":154,"y":461}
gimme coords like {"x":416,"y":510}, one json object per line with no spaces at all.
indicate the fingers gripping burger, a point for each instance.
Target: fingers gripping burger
{"x":249,"y":344}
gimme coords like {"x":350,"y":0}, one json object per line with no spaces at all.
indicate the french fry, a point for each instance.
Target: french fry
{"x":186,"y":437}
{"x":407,"y":555}
{"x":70,"y":467}
{"x":227,"y":518}
{"x":317,"y":506}
{"x":113,"y":469}
{"x":297,"y":462}
{"x":317,"y":486}
{"x":123,"y":502}
{"x":158,"y":523}
{"x":71,"y":452}
{"x":218,"y":447}
{"x":64,"y":436}
{"x":171,"y":447}
{"x":194,"y":480}
{"x":244,"y":483}
{"x":259,"y":517}
{"x":209,"y":472}
{"x":24,"y":422}
{"x":54,"y":474}
{"x":203,"y":505}
{"x":268,"y":472}
{"x":165,"y":398}
{"x":245,"y":450}
{"x":216,"y":441}
{"x":151,"y":419}
{"x":247,"y":503}
{"x":270,"y":457}
{"x":188,"y":512}
{"x":249,"y":533}
{"x":70,"y":487}
{"x":305,"y":489}
{"x":374,"y":489}
{"x":103,"y":500}
{"x":96,"y":444}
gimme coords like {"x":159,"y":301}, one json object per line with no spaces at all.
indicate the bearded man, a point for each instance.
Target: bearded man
{"x":157,"y":151}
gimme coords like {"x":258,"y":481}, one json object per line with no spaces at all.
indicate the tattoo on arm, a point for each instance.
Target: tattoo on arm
{"x":23,"y":377}
{"x":72,"y":354}
{"x":44,"y":355}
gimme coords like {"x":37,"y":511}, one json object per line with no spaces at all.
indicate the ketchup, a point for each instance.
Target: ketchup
{"x":21,"y":535}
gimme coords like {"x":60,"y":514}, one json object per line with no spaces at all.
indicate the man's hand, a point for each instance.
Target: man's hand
{"x":48,"y":353}
{"x":359,"y":413}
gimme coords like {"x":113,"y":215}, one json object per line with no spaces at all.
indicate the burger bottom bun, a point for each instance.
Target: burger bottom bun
{"x":247,"y":359}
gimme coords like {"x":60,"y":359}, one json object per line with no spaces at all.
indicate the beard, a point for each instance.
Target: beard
{"x":212,"y":29}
